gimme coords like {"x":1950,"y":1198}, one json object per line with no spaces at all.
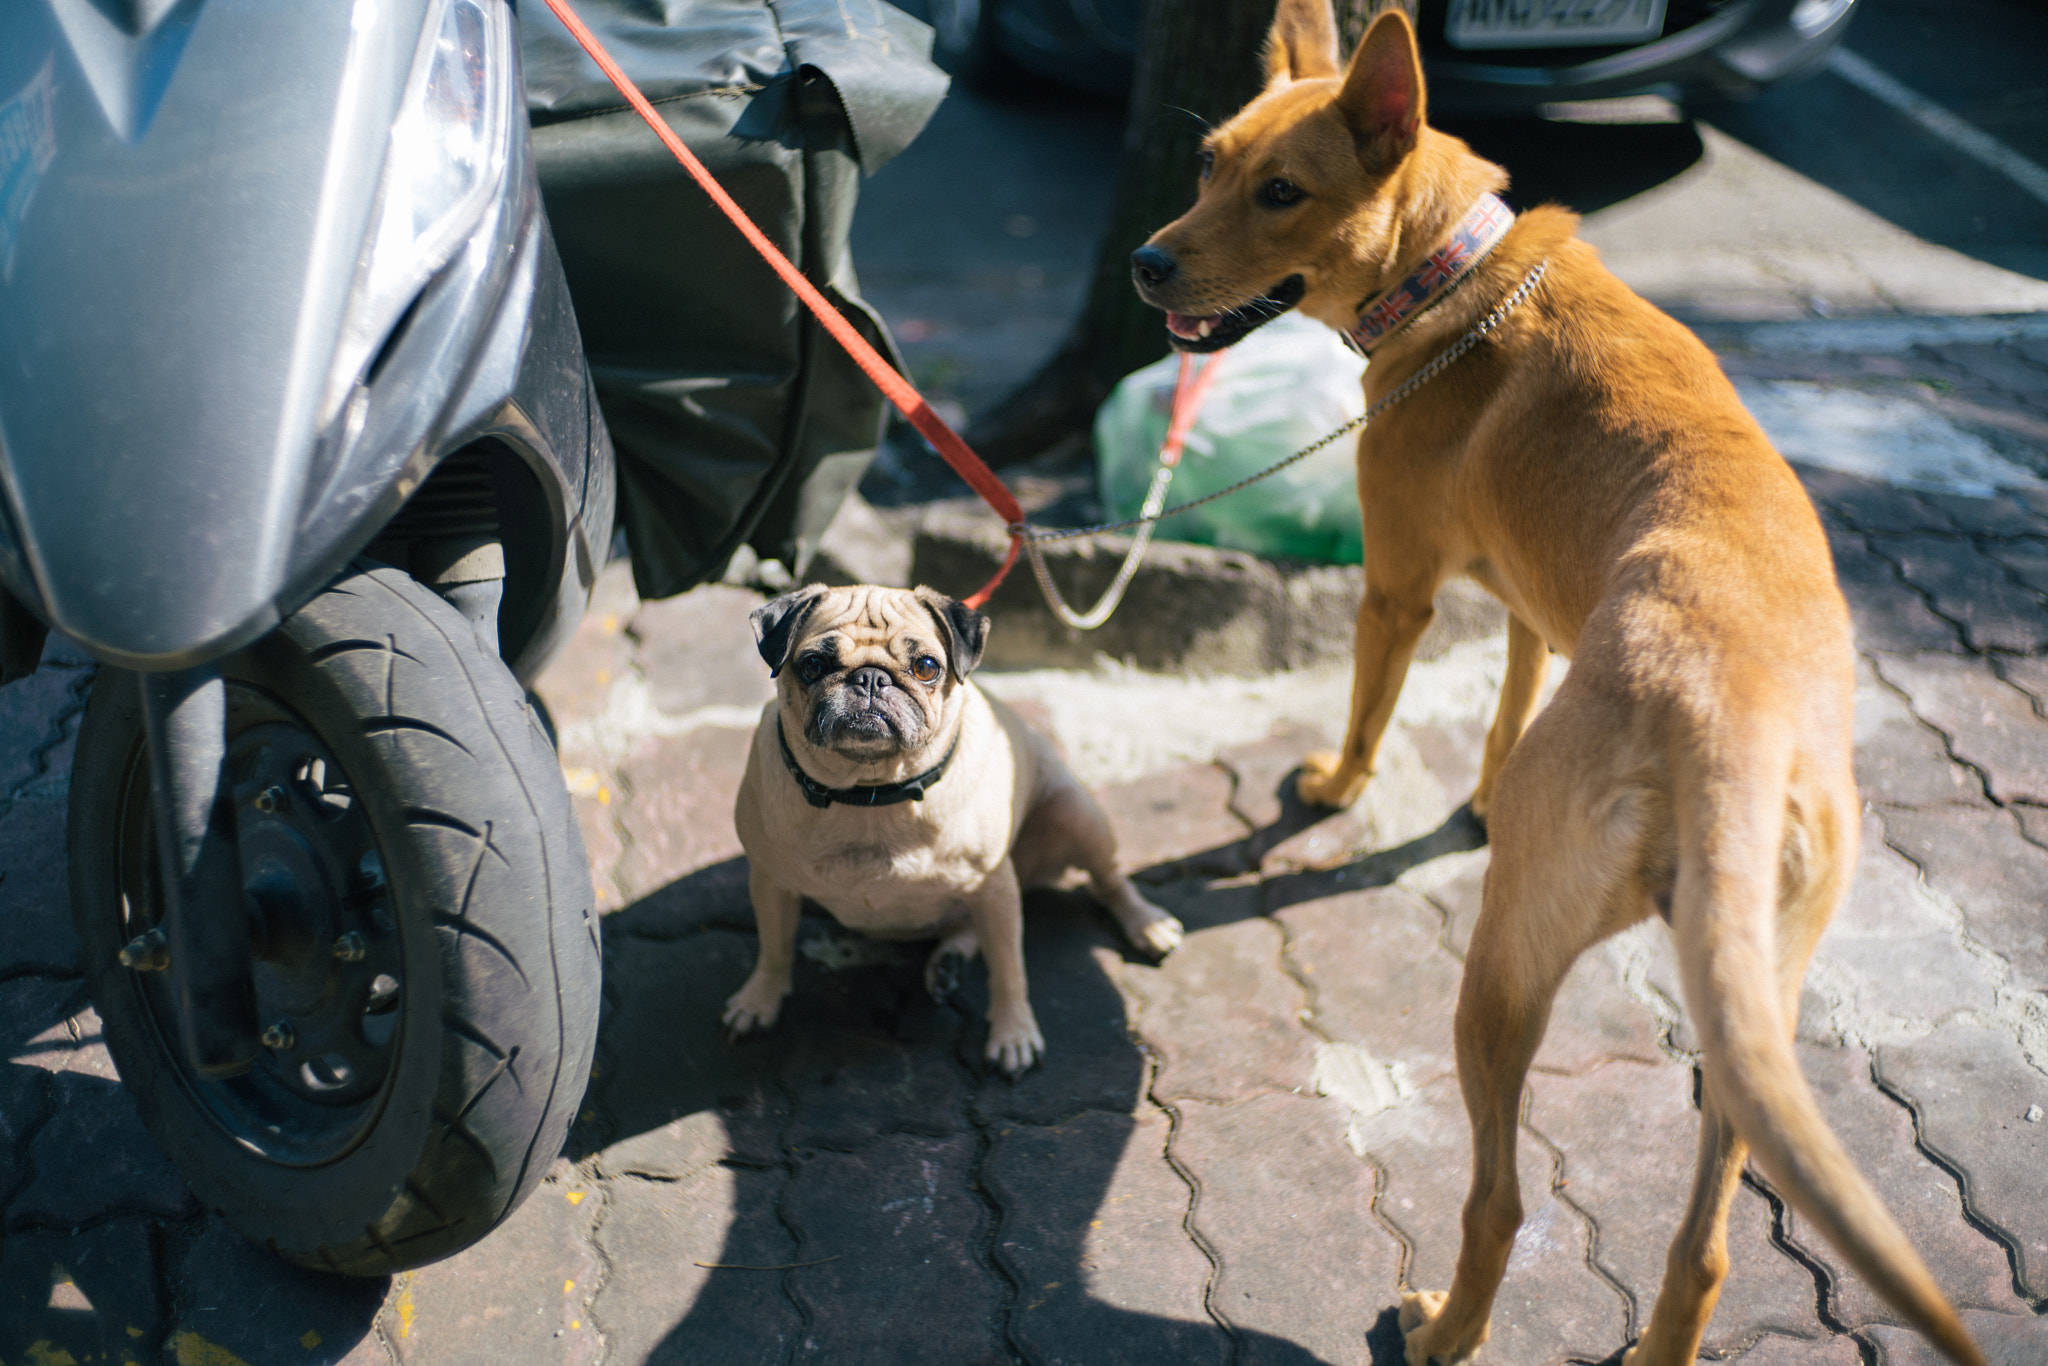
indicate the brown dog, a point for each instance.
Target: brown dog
{"x":1586,"y":461}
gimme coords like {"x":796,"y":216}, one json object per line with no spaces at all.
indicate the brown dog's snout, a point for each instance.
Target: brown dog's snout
{"x":1152,"y":265}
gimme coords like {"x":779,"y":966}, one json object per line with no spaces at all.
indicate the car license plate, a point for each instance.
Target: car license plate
{"x":1551,"y":23}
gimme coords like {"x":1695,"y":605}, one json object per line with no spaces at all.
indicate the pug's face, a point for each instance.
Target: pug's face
{"x":867,"y":672}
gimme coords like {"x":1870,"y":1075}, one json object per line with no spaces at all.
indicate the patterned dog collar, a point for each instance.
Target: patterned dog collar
{"x":881,"y":794}
{"x":1442,"y":270}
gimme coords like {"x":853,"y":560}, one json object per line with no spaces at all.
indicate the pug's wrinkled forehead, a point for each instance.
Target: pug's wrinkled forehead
{"x":868,"y":624}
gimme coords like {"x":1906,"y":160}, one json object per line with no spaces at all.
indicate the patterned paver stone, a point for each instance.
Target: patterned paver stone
{"x":234,"y":1298}
{"x":1630,"y":1137}
{"x":1888,"y":613}
{"x":675,"y":807}
{"x":894,"y":1230}
{"x":527,"y":1302}
{"x":1378,"y":978}
{"x":1972,"y":1091}
{"x":35,"y":892}
{"x":84,"y":1295}
{"x":1287,"y":1208}
{"x":1552,"y":1305}
{"x":660,"y":1305}
{"x":94,"y":1158}
{"x":1223,"y":1015}
{"x":670,"y":1092}
{"x":1091,"y":1233}
{"x":1900,"y":759}
{"x":1990,"y":724}
{"x":2007,"y":1340}
{"x":1979,"y":858}
{"x":1892,"y":951}
{"x":1176,"y":824}
{"x":1994,"y":612}
{"x":1878,"y":1132}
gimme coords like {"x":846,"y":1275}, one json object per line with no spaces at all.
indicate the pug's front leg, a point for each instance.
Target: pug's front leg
{"x":997,"y":913}
{"x":776,"y":909}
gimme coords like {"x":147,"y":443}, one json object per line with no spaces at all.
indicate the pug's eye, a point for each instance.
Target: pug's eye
{"x":925,"y":669}
{"x":1278,"y":193}
{"x":811,"y":668}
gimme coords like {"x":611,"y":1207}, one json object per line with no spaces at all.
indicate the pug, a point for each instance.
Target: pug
{"x":890,"y":790}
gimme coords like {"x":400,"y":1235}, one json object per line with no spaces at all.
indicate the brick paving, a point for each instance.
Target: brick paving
{"x":1239,"y":1155}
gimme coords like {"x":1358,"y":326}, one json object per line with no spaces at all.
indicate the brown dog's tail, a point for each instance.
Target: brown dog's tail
{"x":1732,"y":830}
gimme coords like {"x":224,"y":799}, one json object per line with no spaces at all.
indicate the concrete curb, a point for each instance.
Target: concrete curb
{"x":1190,"y":608}
{"x":1870,"y":335}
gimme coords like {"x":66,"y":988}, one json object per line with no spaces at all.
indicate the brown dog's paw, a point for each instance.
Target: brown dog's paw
{"x":1324,"y":781}
{"x":1426,"y":1334}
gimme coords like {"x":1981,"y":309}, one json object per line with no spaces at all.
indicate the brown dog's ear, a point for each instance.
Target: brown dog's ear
{"x":966,"y":630}
{"x":1382,"y":95}
{"x":775,"y":623}
{"x":1303,"y":42}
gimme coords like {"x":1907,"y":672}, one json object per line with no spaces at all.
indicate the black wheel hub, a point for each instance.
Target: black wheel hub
{"x":329,"y":965}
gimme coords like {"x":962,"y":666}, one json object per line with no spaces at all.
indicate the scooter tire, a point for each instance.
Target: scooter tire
{"x":484,"y":896}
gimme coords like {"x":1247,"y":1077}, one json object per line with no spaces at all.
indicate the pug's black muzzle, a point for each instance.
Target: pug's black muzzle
{"x":868,"y":713}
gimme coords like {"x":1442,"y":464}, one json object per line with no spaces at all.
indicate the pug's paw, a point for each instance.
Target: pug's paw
{"x":1014,"y":1045}
{"x":754,"y":1006}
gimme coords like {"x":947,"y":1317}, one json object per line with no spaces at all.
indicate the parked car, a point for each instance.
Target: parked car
{"x":1484,"y":57}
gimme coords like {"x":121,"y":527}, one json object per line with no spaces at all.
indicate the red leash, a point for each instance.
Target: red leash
{"x":908,"y":401}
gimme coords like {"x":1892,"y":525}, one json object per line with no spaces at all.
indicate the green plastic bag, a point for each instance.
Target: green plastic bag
{"x":1284,"y":387}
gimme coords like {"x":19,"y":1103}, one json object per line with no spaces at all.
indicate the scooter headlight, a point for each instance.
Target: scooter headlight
{"x":446,"y":154}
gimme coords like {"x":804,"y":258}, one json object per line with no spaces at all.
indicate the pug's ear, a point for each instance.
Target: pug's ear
{"x":966,"y":630}
{"x":776,"y":624}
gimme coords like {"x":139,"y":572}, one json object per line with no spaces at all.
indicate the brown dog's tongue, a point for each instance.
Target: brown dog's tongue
{"x":1185,"y":327}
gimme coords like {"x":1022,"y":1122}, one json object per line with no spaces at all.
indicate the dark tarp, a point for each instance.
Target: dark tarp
{"x":737,"y":419}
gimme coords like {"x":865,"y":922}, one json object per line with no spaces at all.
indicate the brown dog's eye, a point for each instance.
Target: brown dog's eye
{"x":1208,"y":162}
{"x":925,"y":669}
{"x":1279,"y":193}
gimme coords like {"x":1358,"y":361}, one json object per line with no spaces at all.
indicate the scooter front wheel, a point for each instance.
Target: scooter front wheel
{"x":426,"y":957}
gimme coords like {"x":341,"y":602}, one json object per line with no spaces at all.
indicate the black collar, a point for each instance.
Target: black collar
{"x":880,"y":794}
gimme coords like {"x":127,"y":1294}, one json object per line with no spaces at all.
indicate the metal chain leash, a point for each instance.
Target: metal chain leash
{"x":1150,"y":515}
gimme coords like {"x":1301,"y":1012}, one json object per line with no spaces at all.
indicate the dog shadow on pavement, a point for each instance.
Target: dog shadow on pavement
{"x":856,"y":1185}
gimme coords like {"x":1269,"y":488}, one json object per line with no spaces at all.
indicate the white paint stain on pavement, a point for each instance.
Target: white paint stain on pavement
{"x":1879,"y":436}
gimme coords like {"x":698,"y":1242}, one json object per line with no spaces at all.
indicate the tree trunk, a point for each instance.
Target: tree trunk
{"x":1200,"y":62}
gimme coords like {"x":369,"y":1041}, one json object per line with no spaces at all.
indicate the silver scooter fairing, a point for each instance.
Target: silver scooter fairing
{"x":261,"y":267}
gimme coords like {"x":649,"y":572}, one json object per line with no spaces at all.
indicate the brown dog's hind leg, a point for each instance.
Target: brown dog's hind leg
{"x":1698,"y":1261}
{"x":1528,"y":662}
{"x":1389,"y":625}
{"x":1511,"y":975}
{"x":1539,"y":910}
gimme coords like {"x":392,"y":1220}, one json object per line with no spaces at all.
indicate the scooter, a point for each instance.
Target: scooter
{"x":297,"y":439}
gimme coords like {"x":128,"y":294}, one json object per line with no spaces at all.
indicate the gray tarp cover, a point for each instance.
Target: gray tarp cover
{"x":736,"y":417}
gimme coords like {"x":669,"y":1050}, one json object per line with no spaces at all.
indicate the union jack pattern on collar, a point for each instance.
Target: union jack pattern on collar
{"x":1477,"y":234}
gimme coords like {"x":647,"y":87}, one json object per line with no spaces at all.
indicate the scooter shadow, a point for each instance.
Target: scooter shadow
{"x":861,"y":1186}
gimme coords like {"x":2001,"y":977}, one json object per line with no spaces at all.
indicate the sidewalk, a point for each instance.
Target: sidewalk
{"x":1240,"y":1155}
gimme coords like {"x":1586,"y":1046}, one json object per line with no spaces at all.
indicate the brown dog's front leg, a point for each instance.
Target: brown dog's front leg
{"x":1528,"y":662}
{"x":1388,"y":627}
